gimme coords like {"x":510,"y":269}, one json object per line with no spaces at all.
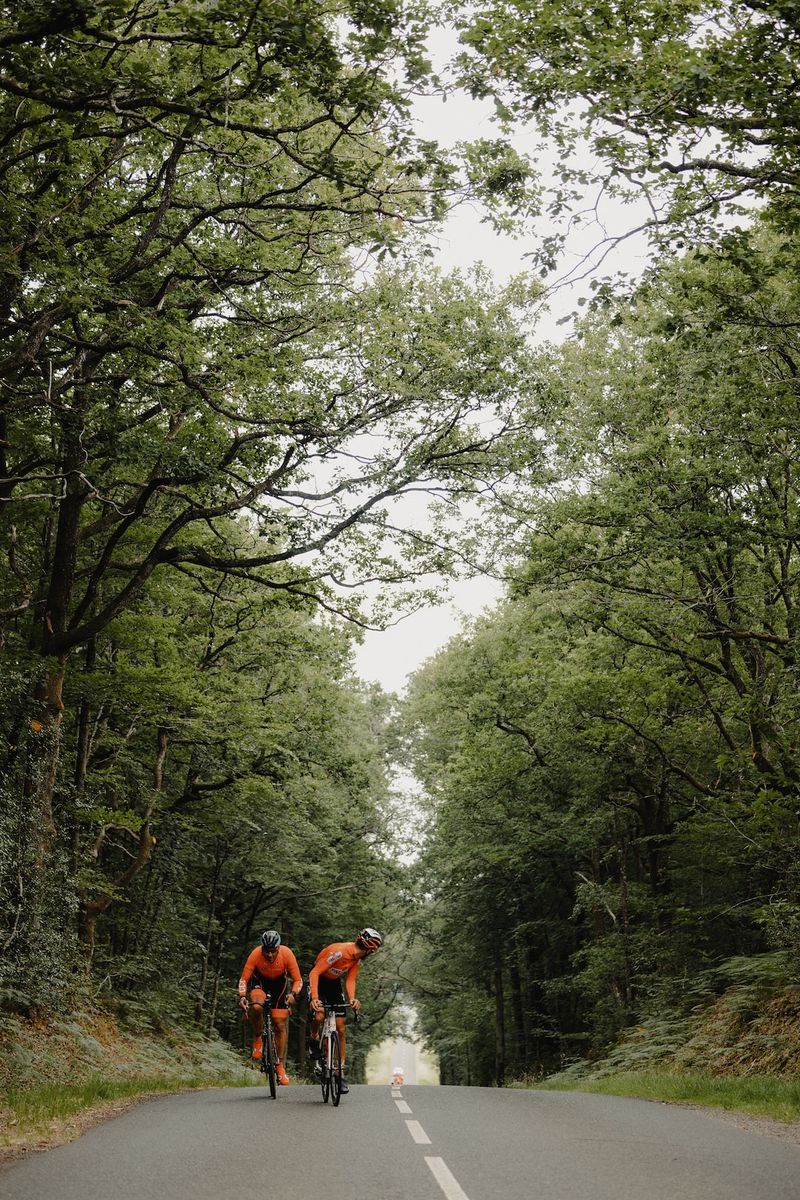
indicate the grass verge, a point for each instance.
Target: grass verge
{"x":760,"y":1095}
{"x":40,"y":1116}
{"x":62,"y":1073}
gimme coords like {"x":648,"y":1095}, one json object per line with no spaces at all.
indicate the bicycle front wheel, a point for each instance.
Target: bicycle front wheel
{"x":270,"y":1058}
{"x":336,"y":1069}
{"x":326,"y":1068}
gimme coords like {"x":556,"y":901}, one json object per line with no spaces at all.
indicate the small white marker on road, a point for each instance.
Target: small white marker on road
{"x":418,"y":1133}
{"x":446,"y":1179}
{"x":402,"y":1106}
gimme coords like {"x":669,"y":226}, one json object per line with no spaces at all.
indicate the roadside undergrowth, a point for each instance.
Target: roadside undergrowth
{"x":60,"y":1074}
{"x":758,"y":1095}
{"x":730,"y":1040}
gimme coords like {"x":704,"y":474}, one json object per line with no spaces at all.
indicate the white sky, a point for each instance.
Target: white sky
{"x":391,"y":656}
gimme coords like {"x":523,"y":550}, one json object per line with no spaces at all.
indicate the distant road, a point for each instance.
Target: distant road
{"x":404,"y":1055}
{"x":410,"y":1143}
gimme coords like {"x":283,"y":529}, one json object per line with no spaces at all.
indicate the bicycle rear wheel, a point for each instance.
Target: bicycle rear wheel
{"x":326,"y":1069}
{"x":270,"y":1057}
{"x":336,"y":1069}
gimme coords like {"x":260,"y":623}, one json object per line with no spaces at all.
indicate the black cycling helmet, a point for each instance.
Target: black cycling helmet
{"x":270,"y":939}
{"x":369,"y":939}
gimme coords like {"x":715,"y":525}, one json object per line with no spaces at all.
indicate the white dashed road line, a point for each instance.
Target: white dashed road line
{"x":418,"y":1133}
{"x":445,"y":1179}
{"x":439,"y":1168}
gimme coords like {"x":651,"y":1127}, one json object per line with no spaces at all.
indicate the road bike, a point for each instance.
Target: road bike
{"x":331,"y":1053}
{"x":268,"y":1063}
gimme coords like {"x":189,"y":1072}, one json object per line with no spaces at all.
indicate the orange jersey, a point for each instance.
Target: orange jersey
{"x":284,"y":963}
{"x":337,"y":960}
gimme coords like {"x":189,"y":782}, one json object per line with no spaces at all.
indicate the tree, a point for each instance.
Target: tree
{"x":195,"y":330}
{"x":610,"y":755}
{"x":661,"y":102}
{"x":686,"y":534}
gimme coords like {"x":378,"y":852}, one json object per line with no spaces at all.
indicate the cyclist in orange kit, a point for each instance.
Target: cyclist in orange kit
{"x":336,"y":963}
{"x":270,"y":968}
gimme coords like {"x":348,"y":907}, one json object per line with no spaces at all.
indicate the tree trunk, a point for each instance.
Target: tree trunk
{"x":83,"y":750}
{"x":92,"y":909}
{"x":212,"y":1008}
{"x":212,"y":908}
{"x":41,"y":765}
{"x":43,"y":748}
{"x":500,"y":1027}
{"x":518,"y":1011}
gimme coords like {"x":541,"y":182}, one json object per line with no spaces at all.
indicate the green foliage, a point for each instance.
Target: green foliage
{"x":660,"y":100}
{"x":214,"y":403}
{"x":763,"y":1096}
{"x":224,"y":371}
{"x":89,"y":1060}
{"x":610,"y":756}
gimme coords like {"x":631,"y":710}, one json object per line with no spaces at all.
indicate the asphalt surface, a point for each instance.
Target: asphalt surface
{"x":404,"y":1055}
{"x":410,"y":1143}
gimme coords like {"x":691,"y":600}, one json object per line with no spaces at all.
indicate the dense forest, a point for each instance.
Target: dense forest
{"x":610,"y":759}
{"x":244,"y":416}
{"x":214,"y":393}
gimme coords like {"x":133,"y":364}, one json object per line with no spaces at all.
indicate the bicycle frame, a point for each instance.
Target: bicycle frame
{"x":331,"y":1053}
{"x":268,"y":1062}
{"x":269,"y":1053}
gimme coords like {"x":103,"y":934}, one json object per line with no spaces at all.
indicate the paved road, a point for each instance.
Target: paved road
{"x":404,"y":1055}
{"x":414,"y":1143}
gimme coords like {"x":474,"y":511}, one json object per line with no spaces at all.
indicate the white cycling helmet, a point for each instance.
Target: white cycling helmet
{"x":369,"y":939}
